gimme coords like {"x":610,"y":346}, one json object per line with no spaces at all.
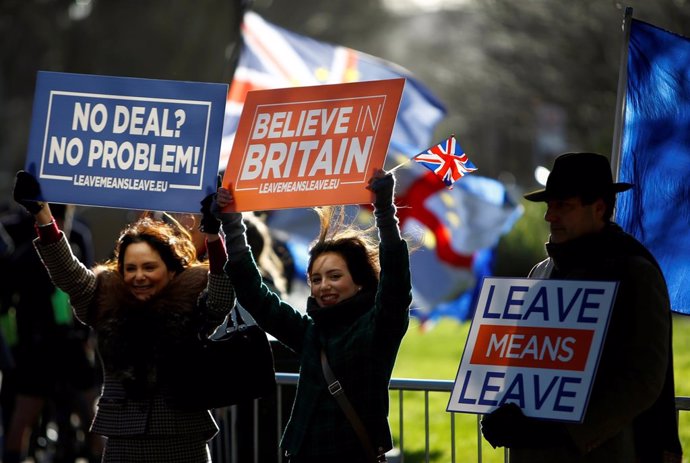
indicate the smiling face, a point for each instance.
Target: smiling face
{"x":569,"y":218}
{"x":330,"y":280}
{"x":144,"y":271}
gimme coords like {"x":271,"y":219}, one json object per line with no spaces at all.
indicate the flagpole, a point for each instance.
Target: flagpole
{"x":405,"y":162}
{"x":621,"y":93}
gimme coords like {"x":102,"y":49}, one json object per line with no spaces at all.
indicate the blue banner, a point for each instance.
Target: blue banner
{"x":655,"y":155}
{"x":126,"y":142}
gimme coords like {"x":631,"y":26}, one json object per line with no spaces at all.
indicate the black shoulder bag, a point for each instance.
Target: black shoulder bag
{"x":215,"y":372}
{"x":336,"y":390}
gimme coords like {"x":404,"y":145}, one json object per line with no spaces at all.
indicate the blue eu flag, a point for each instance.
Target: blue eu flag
{"x":655,"y":154}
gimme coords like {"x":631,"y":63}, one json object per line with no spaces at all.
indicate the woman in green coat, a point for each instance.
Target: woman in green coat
{"x":357,"y":315}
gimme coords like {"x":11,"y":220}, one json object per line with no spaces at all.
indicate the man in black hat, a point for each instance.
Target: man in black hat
{"x":631,"y":415}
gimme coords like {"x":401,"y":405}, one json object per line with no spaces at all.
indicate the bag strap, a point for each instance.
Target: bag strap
{"x":336,"y":390}
{"x":233,"y":322}
{"x":237,"y":320}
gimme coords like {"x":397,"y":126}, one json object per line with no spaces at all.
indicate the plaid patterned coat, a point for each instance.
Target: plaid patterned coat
{"x":361,"y":337}
{"x":93,"y":297}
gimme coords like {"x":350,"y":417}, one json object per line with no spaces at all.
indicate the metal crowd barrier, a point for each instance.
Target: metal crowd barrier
{"x":227,"y":448}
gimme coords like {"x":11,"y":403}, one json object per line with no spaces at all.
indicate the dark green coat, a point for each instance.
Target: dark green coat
{"x":361,"y":336}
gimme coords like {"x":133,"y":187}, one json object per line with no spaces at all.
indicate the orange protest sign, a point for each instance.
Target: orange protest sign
{"x":311,"y":146}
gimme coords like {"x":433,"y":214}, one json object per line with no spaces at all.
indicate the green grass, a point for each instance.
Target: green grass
{"x":435,"y":354}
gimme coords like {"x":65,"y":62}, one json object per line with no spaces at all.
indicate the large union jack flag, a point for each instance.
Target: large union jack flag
{"x":454,"y":226}
{"x":447,"y":160}
{"x":273,"y":57}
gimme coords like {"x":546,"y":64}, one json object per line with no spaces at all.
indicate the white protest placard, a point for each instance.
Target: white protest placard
{"x":535,"y":343}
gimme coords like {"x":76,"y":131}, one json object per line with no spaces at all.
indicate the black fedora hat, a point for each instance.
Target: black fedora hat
{"x":578,"y":174}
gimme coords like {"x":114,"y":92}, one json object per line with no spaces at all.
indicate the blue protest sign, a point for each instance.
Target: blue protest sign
{"x":126,"y":142}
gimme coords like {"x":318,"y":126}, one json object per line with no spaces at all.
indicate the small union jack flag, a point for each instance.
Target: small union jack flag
{"x":447,"y":160}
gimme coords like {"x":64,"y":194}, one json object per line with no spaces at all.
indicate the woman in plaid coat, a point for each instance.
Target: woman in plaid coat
{"x":356,"y":314}
{"x":142,"y":304}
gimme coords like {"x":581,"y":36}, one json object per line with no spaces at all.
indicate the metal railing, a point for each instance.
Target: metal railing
{"x":224,"y":447}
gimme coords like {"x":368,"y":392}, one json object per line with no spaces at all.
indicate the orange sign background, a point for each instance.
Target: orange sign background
{"x":311,"y":146}
{"x":530,"y":346}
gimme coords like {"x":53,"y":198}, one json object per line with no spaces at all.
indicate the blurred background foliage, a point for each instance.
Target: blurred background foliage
{"x":523,"y":81}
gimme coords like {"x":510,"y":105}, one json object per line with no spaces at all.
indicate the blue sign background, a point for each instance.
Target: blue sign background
{"x":126,"y":142}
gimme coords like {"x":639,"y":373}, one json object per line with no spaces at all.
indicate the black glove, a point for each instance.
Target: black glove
{"x":507,"y":426}
{"x":27,"y":192}
{"x":209,"y":223}
{"x":383,"y":190}
{"x":235,"y":233}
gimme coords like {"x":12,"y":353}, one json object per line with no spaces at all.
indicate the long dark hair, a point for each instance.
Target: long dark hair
{"x":168,"y":238}
{"x":356,"y":246}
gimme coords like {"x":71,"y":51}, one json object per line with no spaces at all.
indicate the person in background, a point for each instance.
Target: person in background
{"x":55,"y":375}
{"x":261,"y":244}
{"x":631,"y":413}
{"x":247,"y":416}
{"x":149,"y":298}
{"x":260,"y":241}
{"x":7,"y":248}
{"x":357,"y":315}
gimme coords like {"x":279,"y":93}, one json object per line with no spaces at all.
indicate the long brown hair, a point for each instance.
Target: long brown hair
{"x":170,"y":239}
{"x":356,"y":246}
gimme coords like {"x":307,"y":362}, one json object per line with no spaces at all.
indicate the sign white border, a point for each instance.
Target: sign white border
{"x":106,"y":96}
{"x":534,"y":371}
